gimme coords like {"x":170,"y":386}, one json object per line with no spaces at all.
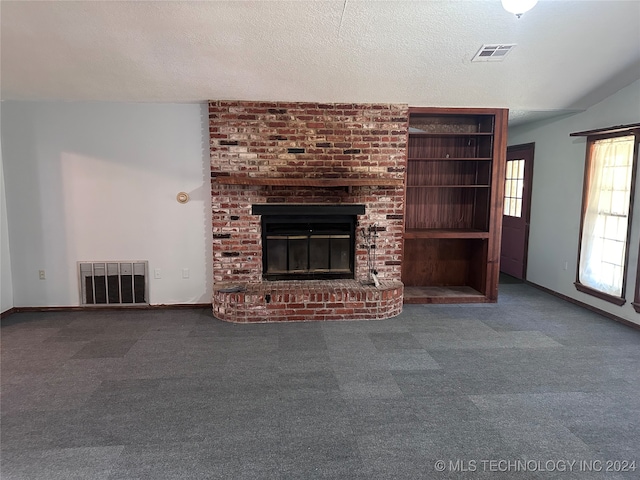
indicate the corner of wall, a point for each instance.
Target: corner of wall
{"x":6,"y":279}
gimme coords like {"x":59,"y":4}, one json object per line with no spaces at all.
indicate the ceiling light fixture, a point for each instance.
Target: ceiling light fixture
{"x":518,"y":7}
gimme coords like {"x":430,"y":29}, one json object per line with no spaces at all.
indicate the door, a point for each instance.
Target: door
{"x":516,"y":213}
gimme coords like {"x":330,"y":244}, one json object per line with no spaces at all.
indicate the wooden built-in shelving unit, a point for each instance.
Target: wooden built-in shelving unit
{"x":453,"y":204}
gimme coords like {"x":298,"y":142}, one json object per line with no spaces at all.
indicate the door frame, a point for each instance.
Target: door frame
{"x":528,"y":187}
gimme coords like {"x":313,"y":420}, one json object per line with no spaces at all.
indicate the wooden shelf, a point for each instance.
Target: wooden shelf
{"x":309,"y":182}
{"x":450,"y":134}
{"x":449,"y":294}
{"x":448,"y":186}
{"x":449,"y":159}
{"x":445,"y":233}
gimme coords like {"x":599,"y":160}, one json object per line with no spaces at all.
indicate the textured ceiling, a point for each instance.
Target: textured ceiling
{"x":569,"y":54}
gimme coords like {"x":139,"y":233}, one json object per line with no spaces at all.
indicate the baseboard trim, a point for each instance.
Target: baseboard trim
{"x":6,"y":313}
{"x":162,"y":306}
{"x":604,"y":313}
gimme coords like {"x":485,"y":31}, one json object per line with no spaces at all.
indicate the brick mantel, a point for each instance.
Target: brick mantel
{"x":303,"y":153}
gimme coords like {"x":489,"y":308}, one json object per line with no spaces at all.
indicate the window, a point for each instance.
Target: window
{"x":513,"y":188}
{"x":606,"y":215}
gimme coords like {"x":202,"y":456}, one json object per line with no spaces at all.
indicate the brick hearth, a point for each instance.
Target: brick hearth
{"x":307,"y":301}
{"x":305,"y":153}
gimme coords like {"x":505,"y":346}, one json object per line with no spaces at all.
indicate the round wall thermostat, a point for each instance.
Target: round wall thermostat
{"x":182,"y":197}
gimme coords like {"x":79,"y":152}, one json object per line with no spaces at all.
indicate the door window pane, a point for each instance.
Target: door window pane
{"x":513,"y":188}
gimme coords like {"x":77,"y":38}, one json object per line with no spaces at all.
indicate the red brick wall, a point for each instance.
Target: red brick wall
{"x":332,"y":141}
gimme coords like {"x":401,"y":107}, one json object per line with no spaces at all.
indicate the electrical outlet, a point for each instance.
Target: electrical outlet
{"x":41,"y":275}
{"x":156,"y":273}
{"x":566,"y":265}
{"x":185,"y":273}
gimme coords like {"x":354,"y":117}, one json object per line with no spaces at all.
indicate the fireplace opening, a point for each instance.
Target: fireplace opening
{"x":298,"y":247}
{"x":308,"y":242}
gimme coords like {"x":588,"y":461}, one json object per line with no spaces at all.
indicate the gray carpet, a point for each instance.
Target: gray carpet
{"x":517,"y":390}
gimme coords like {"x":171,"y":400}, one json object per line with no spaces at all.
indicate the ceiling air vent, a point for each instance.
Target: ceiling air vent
{"x":493,"y":53}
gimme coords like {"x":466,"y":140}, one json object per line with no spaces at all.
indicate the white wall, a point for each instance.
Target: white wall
{"x":6,"y":283}
{"x":98,"y":181}
{"x":557,"y":196}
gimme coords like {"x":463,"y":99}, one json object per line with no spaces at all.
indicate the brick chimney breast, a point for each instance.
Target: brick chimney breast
{"x":305,"y":153}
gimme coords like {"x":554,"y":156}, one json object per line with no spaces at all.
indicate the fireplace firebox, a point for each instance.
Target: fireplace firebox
{"x":298,"y":247}
{"x":308,"y":241}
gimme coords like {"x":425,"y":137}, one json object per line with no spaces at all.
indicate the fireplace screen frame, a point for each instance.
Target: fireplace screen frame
{"x":295,"y":228}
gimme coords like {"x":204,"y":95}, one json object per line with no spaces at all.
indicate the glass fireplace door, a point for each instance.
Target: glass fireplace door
{"x":298,"y":248}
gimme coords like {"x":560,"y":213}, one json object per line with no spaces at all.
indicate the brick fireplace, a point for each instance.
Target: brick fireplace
{"x":306,"y":158}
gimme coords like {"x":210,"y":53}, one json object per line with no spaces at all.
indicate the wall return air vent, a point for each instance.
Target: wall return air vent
{"x":493,"y":52}
{"x":119,"y":283}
